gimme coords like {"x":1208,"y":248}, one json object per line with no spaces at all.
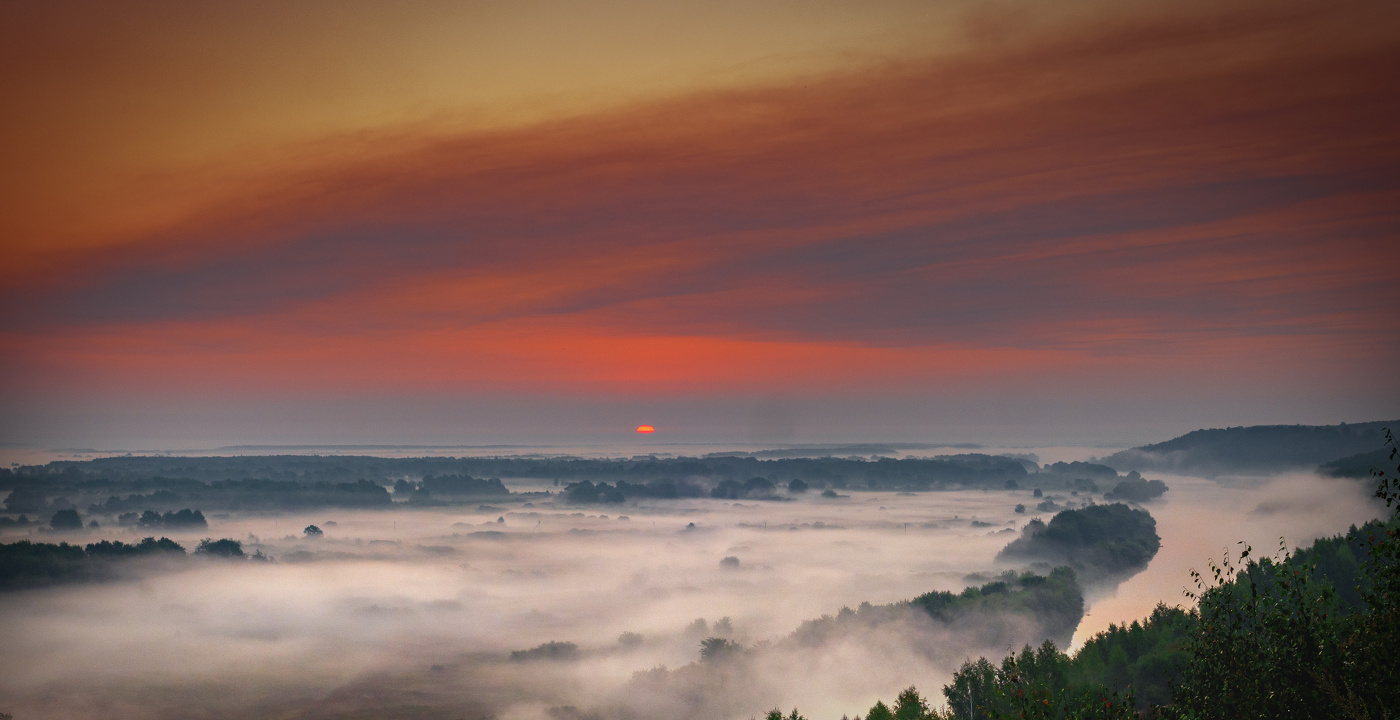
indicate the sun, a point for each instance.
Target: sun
{"x":645,"y":429}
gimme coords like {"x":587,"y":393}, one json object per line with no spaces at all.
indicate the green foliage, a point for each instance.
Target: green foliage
{"x":1269,"y":638}
{"x":1259,"y":449}
{"x":246,"y":494}
{"x":1142,"y":656}
{"x":881,"y":711}
{"x":27,"y":500}
{"x":909,"y":706}
{"x":755,"y":488}
{"x":224,"y":548}
{"x":1136,"y":489}
{"x":1082,"y":470}
{"x":716,"y":649}
{"x":585,"y":492}
{"x":1275,"y":640}
{"x":185,"y":518}
{"x":1037,"y":683}
{"x":26,"y":564}
{"x":1354,"y":466}
{"x":133,"y":484}
{"x":147,"y":546}
{"x":1053,"y":604}
{"x":66,"y":520}
{"x":453,"y":485}
{"x":1055,"y":600}
{"x":1106,"y":678}
{"x":552,"y":650}
{"x":1097,"y":541}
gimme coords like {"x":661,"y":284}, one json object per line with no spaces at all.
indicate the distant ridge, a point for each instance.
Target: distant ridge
{"x":1255,"y":450}
{"x":375,"y":446}
{"x":853,"y":449}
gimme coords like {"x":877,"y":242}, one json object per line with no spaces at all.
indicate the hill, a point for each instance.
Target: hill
{"x":1355,"y":466}
{"x":1255,"y":450}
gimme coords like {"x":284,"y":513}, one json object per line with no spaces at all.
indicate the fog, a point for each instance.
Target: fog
{"x":1201,"y":520}
{"x":415,"y":613}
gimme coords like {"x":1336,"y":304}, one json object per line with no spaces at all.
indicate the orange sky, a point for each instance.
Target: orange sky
{"x":1180,"y":217}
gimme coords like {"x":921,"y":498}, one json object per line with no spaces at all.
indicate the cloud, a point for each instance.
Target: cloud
{"x":1193,"y":183}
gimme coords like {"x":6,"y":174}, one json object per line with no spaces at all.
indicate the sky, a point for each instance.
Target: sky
{"x":959,"y":221}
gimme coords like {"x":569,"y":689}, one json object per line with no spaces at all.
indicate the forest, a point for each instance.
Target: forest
{"x":25,"y":564}
{"x":114,"y":487}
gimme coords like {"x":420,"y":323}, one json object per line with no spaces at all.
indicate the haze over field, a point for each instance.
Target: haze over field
{"x":423,"y":607}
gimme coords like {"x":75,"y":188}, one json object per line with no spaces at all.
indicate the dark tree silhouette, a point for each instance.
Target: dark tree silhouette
{"x":66,"y":520}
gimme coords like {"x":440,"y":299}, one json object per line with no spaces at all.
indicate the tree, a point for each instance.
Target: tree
{"x":224,"y":548}
{"x":313,"y":532}
{"x":186,"y":518}
{"x":27,"y":500}
{"x":66,"y":520}
{"x":552,"y":650}
{"x":909,"y":706}
{"x":716,"y":649}
{"x":881,"y":711}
